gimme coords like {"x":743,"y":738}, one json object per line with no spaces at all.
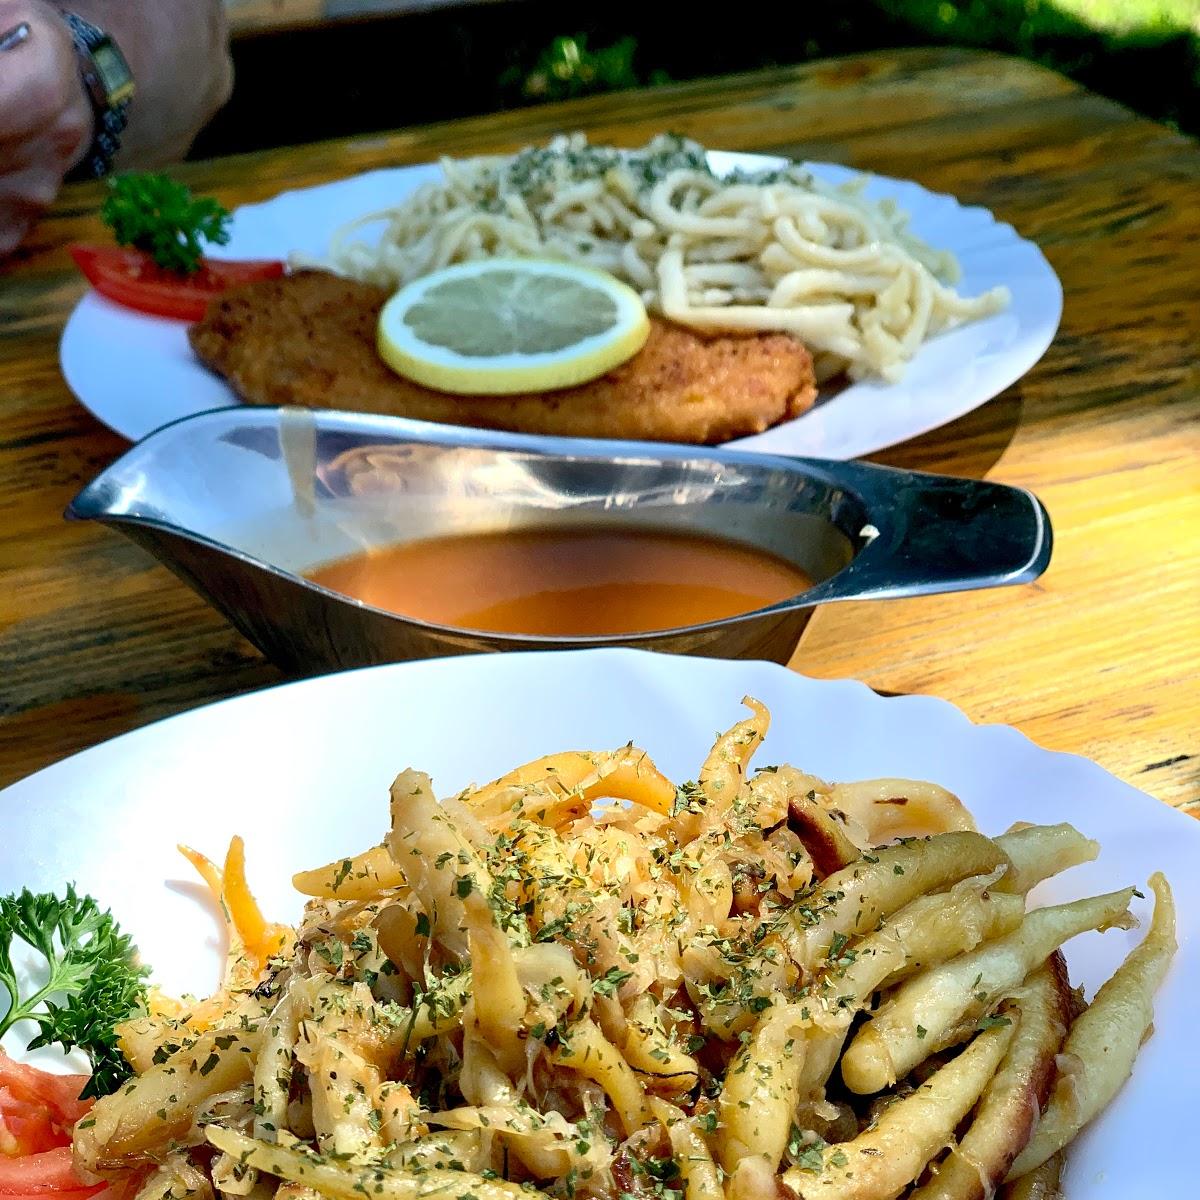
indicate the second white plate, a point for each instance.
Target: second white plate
{"x":136,"y":373}
{"x":302,"y":771}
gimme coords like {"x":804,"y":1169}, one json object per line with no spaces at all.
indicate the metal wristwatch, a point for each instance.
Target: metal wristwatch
{"x":108,"y":82}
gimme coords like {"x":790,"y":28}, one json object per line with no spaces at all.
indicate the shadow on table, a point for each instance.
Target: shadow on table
{"x":968,"y":447}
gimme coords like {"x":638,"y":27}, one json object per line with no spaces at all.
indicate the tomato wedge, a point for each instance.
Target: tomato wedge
{"x":26,"y":1129}
{"x":85,"y":1194}
{"x":21,"y":1084}
{"x":134,"y":280}
{"x":48,"y":1171}
{"x":37,"y":1112}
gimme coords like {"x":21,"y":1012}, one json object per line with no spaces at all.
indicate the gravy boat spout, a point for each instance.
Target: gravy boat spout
{"x":241,"y":502}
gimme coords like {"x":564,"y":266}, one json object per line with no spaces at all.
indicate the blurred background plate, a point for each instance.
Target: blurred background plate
{"x":302,"y":771}
{"x":136,"y":373}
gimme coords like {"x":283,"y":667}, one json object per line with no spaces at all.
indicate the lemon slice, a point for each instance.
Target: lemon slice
{"x":506,"y":325}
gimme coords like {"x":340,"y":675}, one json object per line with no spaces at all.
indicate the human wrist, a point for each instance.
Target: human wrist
{"x":106,"y":85}
{"x":76,"y":125}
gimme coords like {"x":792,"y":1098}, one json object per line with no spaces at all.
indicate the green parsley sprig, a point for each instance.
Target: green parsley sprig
{"x":160,"y":216}
{"x":94,"y":979}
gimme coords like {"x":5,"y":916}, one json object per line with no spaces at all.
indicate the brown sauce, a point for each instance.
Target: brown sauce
{"x":566,"y":582}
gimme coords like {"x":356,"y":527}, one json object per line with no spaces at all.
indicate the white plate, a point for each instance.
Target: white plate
{"x":303,"y":770}
{"x":136,"y":373}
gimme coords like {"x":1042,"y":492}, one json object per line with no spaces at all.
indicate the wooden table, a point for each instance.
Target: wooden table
{"x":1099,"y":657}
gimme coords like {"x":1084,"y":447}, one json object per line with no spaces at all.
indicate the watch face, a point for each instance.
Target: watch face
{"x":113,"y":71}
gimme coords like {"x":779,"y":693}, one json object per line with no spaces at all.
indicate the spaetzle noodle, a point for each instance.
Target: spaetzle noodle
{"x":775,"y":250}
{"x":581,"y":980}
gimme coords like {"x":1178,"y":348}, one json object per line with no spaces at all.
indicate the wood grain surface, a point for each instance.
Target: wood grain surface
{"x":1099,"y":657}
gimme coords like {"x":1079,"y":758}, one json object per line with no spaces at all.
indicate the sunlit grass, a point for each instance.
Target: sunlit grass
{"x":1035,"y":20}
{"x":1129,"y":16}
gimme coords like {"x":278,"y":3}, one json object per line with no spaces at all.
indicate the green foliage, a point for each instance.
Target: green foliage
{"x":1056,"y":29}
{"x":1028,"y":20}
{"x":93,"y":982}
{"x":1143,"y":52}
{"x":162,"y":217}
{"x":568,"y":68}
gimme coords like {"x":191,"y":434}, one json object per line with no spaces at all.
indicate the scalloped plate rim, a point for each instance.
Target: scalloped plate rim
{"x":952,"y":374}
{"x":687,"y":698}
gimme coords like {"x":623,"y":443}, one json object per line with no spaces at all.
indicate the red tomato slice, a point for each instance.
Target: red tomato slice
{"x":82,"y":1194}
{"x":29,"y":1132}
{"x":27,"y":1085}
{"x":133,"y":279}
{"x":12,"y":1102}
{"x":49,"y":1171}
{"x":120,"y":1189}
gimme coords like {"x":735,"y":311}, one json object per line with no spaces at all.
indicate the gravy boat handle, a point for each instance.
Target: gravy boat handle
{"x":931,"y":533}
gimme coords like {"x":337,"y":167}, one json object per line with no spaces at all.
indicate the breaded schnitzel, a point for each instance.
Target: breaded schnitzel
{"x":309,"y":339}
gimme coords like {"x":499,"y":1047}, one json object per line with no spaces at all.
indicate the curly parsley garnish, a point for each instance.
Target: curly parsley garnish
{"x":94,"y":979}
{"x":161,"y":217}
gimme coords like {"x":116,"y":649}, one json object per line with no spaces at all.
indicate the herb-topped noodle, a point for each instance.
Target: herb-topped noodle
{"x":582,"y":981}
{"x":771,"y":250}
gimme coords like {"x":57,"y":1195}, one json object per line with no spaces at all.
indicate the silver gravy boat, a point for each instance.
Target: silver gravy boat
{"x":239,"y":502}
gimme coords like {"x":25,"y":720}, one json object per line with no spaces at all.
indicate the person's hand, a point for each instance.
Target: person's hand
{"x":46,"y":119}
